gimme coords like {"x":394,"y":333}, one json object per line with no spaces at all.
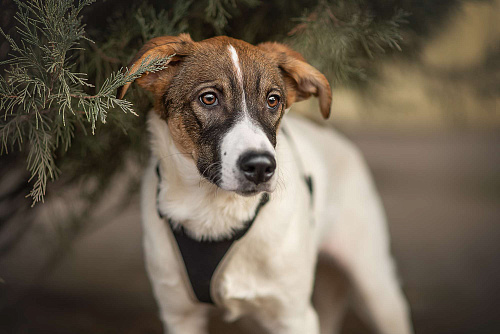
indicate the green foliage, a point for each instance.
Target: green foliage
{"x":218,"y":12}
{"x":42,"y":97}
{"x":126,"y":30}
{"x":342,"y":38}
{"x":153,"y":24}
{"x":47,"y":104}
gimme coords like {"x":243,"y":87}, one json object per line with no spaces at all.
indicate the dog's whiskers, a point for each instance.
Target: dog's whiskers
{"x":213,"y":178}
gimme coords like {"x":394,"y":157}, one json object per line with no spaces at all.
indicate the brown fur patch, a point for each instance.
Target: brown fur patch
{"x":302,"y":79}
{"x":157,"y":48}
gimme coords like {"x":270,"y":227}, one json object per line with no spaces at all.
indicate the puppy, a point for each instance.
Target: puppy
{"x":238,"y":200}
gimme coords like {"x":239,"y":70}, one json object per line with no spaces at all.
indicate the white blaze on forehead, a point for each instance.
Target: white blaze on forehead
{"x":239,"y":76}
{"x":236,"y":63}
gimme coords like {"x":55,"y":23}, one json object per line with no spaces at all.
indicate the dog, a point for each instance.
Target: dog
{"x":239,"y":199}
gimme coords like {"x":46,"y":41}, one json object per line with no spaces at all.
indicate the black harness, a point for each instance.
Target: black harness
{"x":201,"y":257}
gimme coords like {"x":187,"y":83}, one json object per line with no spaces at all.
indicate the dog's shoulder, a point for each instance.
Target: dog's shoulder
{"x":323,"y":145}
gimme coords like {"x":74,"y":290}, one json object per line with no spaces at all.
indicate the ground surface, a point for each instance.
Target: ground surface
{"x":441,"y":192}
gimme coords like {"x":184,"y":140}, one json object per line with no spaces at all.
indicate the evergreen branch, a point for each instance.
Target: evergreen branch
{"x":40,"y":90}
{"x":41,"y":163}
{"x":153,"y":24}
{"x":64,"y":132}
{"x":340,"y":44}
{"x":218,"y":12}
{"x":103,"y":56}
{"x":96,"y":106}
{"x":10,"y":133}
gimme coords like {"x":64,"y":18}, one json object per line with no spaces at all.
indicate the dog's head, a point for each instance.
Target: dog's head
{"x":223,"y":100}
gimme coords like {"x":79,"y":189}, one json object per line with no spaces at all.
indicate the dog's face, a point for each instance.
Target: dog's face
{"x":223,"y":100}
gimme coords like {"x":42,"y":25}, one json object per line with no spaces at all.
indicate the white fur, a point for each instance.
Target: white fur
{"x":271,"y":270}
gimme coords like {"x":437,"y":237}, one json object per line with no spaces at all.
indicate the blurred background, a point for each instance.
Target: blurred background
{"x":415,"y":85}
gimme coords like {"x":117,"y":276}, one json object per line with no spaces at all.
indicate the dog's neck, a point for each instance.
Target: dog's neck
{"x":204,"y":210}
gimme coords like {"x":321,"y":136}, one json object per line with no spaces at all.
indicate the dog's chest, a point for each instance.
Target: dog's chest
{"x":267,"y":272}
{"x":245,"y":282}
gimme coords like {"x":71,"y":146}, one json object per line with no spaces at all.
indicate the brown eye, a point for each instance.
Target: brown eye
{"x":273,"y":101}
{"x":209,"y":99}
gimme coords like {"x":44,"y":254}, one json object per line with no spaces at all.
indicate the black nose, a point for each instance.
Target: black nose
{"x":257,"y":167}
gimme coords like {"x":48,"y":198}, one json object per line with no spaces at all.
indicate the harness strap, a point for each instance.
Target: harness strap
{"x":201,"y":257}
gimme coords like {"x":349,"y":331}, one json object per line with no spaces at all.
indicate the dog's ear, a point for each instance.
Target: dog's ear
{"x":301,"y":79}
{"x":178,"y":46}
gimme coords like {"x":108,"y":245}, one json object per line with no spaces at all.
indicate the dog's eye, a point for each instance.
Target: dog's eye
{"x":209,"y":99}
{"x":273,"y":101}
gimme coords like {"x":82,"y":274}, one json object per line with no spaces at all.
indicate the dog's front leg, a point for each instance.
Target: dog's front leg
{"x":194,"y":321}
{"x":291,"y":322}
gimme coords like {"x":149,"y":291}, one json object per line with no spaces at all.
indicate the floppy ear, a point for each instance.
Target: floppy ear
{"x":178,"y":46}
{"x":301,"y":79}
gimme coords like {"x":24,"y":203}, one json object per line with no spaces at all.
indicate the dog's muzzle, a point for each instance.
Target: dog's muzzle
{"x":248,"y":163}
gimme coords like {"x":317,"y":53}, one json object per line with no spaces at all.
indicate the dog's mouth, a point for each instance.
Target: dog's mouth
{"x":249,"y":193}
{"x":247,"y":189}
